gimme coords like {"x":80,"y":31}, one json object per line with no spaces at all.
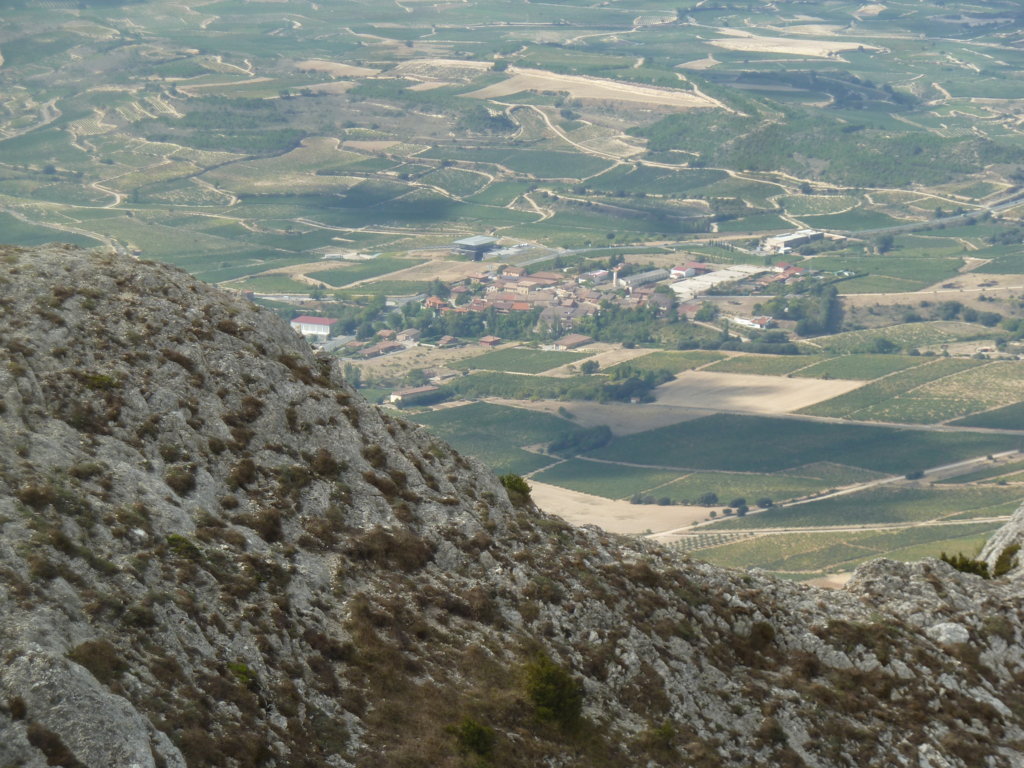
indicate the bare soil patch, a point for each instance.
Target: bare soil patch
{"x":707,"y":62}
{"x":748,"y":393}
{"x":396,"y":365}
{"x":342,"y":86}
{"x":443,"y":270}
{"x":605,"y":355}
{"x":582,"y":87}
{"x":872,"y":9}
{"x":369,"y":146}
{"x":832,"y":581}
{"x":824,"y":49}
{"x":611,"y":515}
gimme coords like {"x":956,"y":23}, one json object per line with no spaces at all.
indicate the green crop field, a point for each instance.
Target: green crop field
{"x":938,"y":391}
{"x":815,"y":553}
{"x":613,"y":481}
{"x":1008,"y":417}
{"x":888,"y":505}
{"x":733,"y":485}
{"x":521,"y":360}
{"x":908,"y":336}
{"x":495,"y":434}
{"x":860,"y":367}
{"x":363,"y":270}
{"x":761,"y":444}
{"x":675,"y":362}
{"x":987,"y":473}
{"x":764,"y":365}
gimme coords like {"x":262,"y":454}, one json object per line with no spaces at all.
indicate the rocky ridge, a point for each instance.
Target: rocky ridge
{"x":214,"y":552}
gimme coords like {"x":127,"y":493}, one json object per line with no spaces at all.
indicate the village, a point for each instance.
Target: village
{"x":557,"y":302}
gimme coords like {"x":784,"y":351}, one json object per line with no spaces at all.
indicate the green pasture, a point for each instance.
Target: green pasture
{"x":385,"y":288}
{"x":676,"y":362}
{"x":878,"y":284}
{"x":907,"y":336}
{"x":761,"y":444}
{"x":733,"y":485}
{"x":813,"y":553}
{"x":987,"y":473}
{"x":917,"y":271}
{"x":760,"y":222}
{"x":889,"y":387}
{"x":339,"y":277}
{"x":973,"y":390}
{"x":763,"y":365}
{"x":272,"y":284}
{"x":495,"y":434}
{"x":854,"y":221}
{"x":613,"y":481}
{"x":16,"y":232}
{"x":887,"y":505}
{"x":859,"y":367}
{"x":521,"y":360}
{"x":1008,"y":417}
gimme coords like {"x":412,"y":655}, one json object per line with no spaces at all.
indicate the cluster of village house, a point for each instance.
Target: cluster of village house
{"x":564,"y":299}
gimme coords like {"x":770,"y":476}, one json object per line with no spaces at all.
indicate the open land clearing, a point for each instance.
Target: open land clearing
{"x":583,"y":87}
{"x":398,"y":363}
{"x":747,"y":393}
{"x":604,"y":354}
{"x":612,"y":515}
{"x":750,"y":43}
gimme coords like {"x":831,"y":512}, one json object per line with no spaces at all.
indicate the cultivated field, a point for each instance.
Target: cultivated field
{"x":594,"y":88}
{"x":738,"y":443}
{"x":522,"y":360}
{"x":747,"y":393}
{"x":615,"y":516}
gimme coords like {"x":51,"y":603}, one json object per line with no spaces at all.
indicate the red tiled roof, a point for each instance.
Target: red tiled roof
{"x":310,"y":320}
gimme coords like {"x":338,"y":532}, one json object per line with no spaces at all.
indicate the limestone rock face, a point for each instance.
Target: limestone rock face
{"x":213,"y":552}
{"x":1001,"y":552}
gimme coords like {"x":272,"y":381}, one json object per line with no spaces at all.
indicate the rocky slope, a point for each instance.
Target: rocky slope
{"x":212,"y":552}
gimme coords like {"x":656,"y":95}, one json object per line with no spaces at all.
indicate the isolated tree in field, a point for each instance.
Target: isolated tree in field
{"x":589,"y":366}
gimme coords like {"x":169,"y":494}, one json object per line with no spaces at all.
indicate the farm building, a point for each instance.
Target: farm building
{"x":382,"y":348}
{"x":597,"y":276}
{"x":642,"y":278}
{"x":319,"y":327}
{"x":760,"y":323}
{"x":571,"y":341}
{"x":475,"y":246}
{"x":410,"y":336}
{"x":412,"y":395}
{"x":490,"y":341}
{"x":691,"y":269}
{"x":785,"y":243}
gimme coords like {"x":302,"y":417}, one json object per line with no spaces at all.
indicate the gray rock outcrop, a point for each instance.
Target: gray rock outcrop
{"x":214,"y":552}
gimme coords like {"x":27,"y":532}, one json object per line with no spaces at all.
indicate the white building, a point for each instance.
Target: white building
{"x":785,"y":243}
{"x":319,"y":327}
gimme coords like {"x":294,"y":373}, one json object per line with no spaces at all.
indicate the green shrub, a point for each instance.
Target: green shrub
{"x":965,"y":564}
{"x":517,"y":488}
{"x":181,"y":479}
{"x":473,"y":737}
{"x":100,"y":658}
{"x":556,"y":695}
{"x":1005,"y":561}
